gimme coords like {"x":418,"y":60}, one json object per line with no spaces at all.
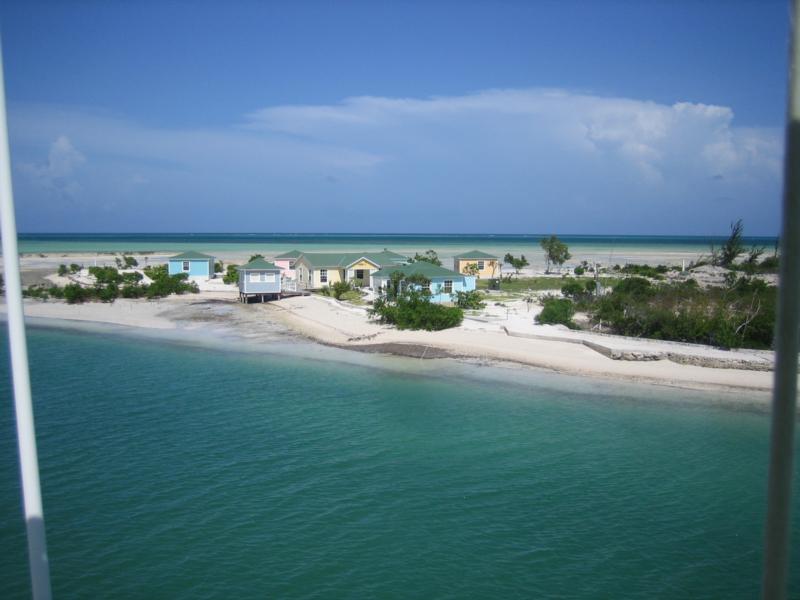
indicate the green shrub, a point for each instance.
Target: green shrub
{"x":231,"y":275}
{"x":413,"y":309}
{"x":740,"y":314}
{"x":645,"y":270}
{"x":573,"y":289}
{"x":105,"y":275}
{"x":579,"y":271}
{"x":75,"y":294}
{"x":557,"y":311}
{"x":107,"y":293}
{"x":218,"y":267}
{"x":74,"y":268}
{"x":471,"y":300}
{"x":62,"y":270}
{"x":340,"y":287}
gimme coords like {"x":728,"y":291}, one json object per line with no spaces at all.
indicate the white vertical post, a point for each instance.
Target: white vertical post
{"x":787,"y":340}
{"x":26,"y":433}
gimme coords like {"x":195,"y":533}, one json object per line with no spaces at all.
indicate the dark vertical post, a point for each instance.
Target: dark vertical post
{"x":787,"y":339}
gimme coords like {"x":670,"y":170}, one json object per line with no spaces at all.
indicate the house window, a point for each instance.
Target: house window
{"x":268,"y":277}
{"x":361,"y":274}
{"x":254,"y":277}
{"x":448,"y":286}
{"x":480,"y":265}
{"x":426,"y":286}
{"x":323,"y":275}
{"x":186,"y":265}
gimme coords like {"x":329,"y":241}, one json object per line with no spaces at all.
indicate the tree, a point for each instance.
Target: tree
{"x":62,"y":270}
{"x":472,"y":269}
{"x":218,"y":267}
{"x":429,"y":256}
{"x":255,"y":256}
{"x":733,"y":246}
{"x":518,"y":263}
{"x":556,"y":252}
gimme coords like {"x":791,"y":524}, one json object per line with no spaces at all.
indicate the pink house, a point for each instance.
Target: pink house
{"x":286,"y":262}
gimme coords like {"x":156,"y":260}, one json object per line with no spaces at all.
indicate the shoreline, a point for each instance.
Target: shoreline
{"x":602,"y":356}
{"x":215,"y":314}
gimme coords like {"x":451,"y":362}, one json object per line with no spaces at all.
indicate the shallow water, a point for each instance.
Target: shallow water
{"x":174,"y":471}
{"x":603,"y":248}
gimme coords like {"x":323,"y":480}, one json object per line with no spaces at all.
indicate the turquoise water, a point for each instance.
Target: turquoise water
{"x":179,"y":472}
{"x":445,"y":244}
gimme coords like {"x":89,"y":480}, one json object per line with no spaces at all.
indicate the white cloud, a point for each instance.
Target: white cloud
{"x":55,"y":173}
{"x":554,"y":159}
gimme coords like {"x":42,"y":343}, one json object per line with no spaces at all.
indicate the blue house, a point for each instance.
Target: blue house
{"x":259,"y":278}
{"x":444,"y":282}
{"x":194,"y":264}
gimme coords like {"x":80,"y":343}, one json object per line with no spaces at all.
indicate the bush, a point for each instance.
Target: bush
{"x":231,"y":275}
{"x":340,"y":287}
{"x":74,"y":268}
{"x":557,"y":311}
{"x":413,"y":309}
{"x":105,"y":275}
{"x":130,"y":262}
{"x":472,"y":300}
{"x":108,"y":293}
{"x":75,"y":294}
{"x":218,"y":267}
{"x":740,"y":314}
{"x":645,"y":270}
{"x":579,"y":271}
{"x":573,"y":289}
{"x":62,"y":270}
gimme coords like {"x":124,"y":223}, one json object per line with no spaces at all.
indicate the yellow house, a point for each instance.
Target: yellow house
{"x":320,"y":269}
{"x":477,"y":263}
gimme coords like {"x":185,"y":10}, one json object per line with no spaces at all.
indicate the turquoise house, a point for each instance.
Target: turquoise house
{"x":259,"y":278}
{"x":194,"y":264}
{"x":444,"y":282}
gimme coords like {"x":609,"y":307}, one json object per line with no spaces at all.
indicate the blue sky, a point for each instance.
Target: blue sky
{"x":519,"y":117}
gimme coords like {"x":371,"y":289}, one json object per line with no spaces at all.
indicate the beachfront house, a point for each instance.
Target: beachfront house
{"x":195,"y":264}
{"x":483,"y":264}
{"x":320,"y":269}
{"x":443,"y":282}
{"x":259,"y":279}
{"x":286,"y":262}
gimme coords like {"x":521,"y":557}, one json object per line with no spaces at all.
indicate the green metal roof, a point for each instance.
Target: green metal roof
{"x":259,"y":264}
{"x":191,"y":255}
{"x":475,"y":254}
{"x":425,"y":269}
{"x":339,"y":260}
{"x":290,"y":254}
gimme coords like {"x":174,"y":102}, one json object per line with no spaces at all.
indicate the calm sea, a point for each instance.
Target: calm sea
{"x":179,"y":472}
{"x":606,"y":247}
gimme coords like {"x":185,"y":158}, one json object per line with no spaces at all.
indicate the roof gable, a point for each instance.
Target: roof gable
{"x":191,"y":255}
{"x":423,"y":268}
{"x":341,"y":260}
{"x":363,"y":258}
{"x":476,"y":254}
{"x":259,"y":264}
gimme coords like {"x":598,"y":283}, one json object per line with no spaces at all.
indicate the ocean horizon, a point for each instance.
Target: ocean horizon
{"x":446,"y":243}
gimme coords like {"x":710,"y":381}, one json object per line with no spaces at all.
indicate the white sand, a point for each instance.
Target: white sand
{"x":332,"y":322}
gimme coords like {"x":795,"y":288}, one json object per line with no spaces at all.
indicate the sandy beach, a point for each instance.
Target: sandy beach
{"x":512,"y":340}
